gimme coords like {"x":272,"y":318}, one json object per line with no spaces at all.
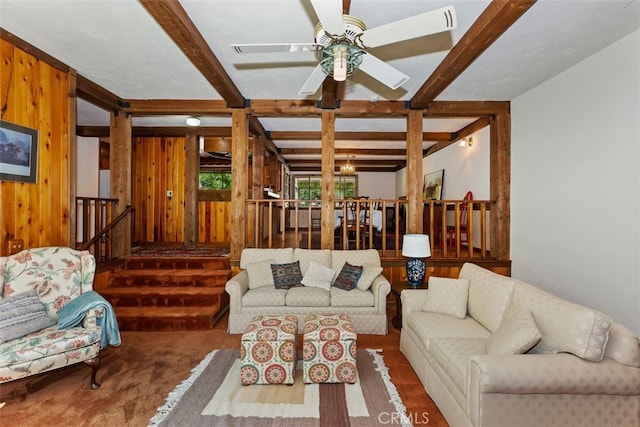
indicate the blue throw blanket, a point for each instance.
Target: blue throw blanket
{"x":72,"y":313}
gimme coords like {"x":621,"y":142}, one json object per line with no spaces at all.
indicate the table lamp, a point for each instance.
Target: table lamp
{"x":416,"y":247}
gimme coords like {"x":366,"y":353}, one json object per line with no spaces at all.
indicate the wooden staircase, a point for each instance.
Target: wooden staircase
{"x":169,"y":293}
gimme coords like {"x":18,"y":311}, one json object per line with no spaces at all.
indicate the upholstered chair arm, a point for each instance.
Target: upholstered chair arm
{"x":380,"y":288}
{"x":236,"y":287}
{"x":412,"y":300}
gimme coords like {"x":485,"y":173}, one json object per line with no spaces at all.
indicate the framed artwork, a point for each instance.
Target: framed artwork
{"x":432,"y":185}
{"x":18,"y":153}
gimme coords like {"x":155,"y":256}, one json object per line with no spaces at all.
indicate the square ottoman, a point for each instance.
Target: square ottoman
{"x":329,"y":349}
{"x":268,"y":350}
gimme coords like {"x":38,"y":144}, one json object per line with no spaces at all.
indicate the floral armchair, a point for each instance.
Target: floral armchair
{"x":56,"y":275}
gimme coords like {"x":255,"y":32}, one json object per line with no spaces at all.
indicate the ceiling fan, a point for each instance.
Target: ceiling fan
{"x":343,"y":41}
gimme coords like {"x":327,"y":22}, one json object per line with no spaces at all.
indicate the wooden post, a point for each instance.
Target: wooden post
{"x":414,"y":172}
{"x":191,"y":185}
{"x":72,"y":178}
{"x":120,"y":155}
{"x":257,"y":188}
{"x":239,"y":184}
{"x":500,"y":185}
{"x":328,"y":174}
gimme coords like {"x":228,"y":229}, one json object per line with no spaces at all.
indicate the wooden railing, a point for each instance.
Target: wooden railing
{"x":96,"y":218}
{"x":274,"y":223}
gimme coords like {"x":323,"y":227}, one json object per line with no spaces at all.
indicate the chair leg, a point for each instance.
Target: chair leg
{"x":95,"y":364}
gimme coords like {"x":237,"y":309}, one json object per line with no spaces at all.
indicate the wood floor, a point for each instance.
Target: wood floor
{"x":137,"y":376}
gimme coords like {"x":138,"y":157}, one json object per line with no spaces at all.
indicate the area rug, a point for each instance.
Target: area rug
{"x":213,"y":396}
{"x":179,"y":251}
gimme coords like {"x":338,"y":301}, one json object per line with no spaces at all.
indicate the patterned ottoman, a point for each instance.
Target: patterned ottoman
{"x":329,"y":349}
{"x":268,"y":350}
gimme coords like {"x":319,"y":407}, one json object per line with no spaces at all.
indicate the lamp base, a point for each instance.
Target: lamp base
{"x":416,"y":268}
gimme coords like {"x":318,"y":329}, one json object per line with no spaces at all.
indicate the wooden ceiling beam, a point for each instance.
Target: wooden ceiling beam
{"x":318,"y":169}
{"x":148,"y":131}
{"x":175,"y":21}
{"x":97,"y":95}
{"x":462,"y":133}
{"x":163,"y":107}
{"x":345,"y":151}
{"x":489,"y":26}
{"x":357,"y":163}
{"x":356,"y":136}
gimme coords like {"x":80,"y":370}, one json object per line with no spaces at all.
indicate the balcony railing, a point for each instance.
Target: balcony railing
{"x":382,"y":223}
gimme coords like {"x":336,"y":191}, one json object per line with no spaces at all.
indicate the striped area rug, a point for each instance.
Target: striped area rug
{"x":213,"y":396}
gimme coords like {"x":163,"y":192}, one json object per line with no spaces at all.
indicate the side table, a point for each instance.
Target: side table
{"x":396,"y":289}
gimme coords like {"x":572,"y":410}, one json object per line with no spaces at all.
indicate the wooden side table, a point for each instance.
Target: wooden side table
{"x":396,"y":289}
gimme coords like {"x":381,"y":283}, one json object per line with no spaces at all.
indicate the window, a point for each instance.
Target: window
{"x":308,"y":187}
{"x":215,"y":180}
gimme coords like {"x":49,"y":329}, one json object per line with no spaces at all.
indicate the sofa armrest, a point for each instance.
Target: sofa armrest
{"x":380,"y":288}
{"x":412,"y":300}
{"x":236,"y":287}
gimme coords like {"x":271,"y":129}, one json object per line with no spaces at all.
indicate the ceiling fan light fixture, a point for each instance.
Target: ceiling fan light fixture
{"x":340,"y":60}
{"x":193,"y":121}
{"x":340,"y":63}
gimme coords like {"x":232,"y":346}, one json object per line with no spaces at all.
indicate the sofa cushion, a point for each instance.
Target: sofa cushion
{"x":517,"y":334}
{"x":22,"y":314}
{"x":308,"y":297}
{"x":305,"y":256}
{"x":453,"y":354}
{"x":352,"y":298}
{"x":280,"y":256}
{"x":260,"y":274}
{"x":623,"y":346}
{"x":348,"y":277}
{"x":45,"y":343}
{"x":357,"y":257}
{"x":264,"y":297}
{"x":287,"y":275}
{"x":565,"y":326}
{"x":318,"y":276}
{"x":489,"y":294}
{"x":369,"y":274}
{"x":447,"y":296}
{"x":434,"y":325}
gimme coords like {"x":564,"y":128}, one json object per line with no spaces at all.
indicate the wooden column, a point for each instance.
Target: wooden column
{"x":257,"y":188}
{"x":414,"y":172}
{"x":500,"y":185}
{"x":72,"y":177}
{"x":120,"y":155}
{"x":191,"y":185}
{"x":239,"y":184}
{"x":328,"y":174}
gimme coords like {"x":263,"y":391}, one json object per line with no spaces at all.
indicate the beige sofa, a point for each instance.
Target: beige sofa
{"x":580,"y":367}
{"x":367,"y":307}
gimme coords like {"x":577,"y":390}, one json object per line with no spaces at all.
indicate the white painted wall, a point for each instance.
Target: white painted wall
{"x":87,"y":170}
{"x":575,"y":194}
{"x":377,"y":185}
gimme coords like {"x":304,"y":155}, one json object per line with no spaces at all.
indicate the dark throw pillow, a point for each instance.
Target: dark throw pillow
{"x":286,"y":276}
{"x":348,"y":277}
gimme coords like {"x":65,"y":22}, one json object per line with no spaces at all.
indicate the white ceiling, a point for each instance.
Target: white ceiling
{"x":119,"y":46}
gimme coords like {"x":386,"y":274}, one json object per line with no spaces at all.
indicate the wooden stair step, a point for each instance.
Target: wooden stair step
{"x":169,"y":277}
{"x":156,"y":296}
{"x":171,"y":263}
{"x":166,"y":318}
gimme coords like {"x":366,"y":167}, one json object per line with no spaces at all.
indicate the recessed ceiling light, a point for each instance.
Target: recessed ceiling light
{"x":193,"y":121}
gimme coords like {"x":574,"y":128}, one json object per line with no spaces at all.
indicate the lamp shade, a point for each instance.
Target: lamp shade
{"x":416,"y":246}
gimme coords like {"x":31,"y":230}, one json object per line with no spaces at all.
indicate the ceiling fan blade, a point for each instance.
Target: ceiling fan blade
{"x":382,"y":72}
{"x":329,"y":13}
{"x":424,"y":24}
{"x":275,"y":47}
{"x":314,"y":82}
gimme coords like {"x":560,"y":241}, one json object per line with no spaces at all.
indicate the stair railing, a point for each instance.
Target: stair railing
{"x":93,"y":235}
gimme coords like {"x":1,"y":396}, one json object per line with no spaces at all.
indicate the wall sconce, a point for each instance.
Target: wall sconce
{"x":193,"y":121}
{"x":466,"y":142}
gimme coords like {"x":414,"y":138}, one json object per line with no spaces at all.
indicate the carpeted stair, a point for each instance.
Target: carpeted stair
{"x":169,"y":293}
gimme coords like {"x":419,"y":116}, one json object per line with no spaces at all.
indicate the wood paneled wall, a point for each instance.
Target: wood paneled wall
{"x":37,"y":96}
{"x":158,"y":167}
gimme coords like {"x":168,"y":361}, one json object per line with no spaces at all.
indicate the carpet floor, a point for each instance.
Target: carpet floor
{"x":137,"y":377}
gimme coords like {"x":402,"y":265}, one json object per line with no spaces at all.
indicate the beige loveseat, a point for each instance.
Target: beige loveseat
{"x":366,"y":304}
{"x":580,"y":367}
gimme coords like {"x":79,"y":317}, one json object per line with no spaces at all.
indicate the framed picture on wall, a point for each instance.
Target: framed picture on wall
{"x":18,"y":153}
{"x":432,"y":185}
